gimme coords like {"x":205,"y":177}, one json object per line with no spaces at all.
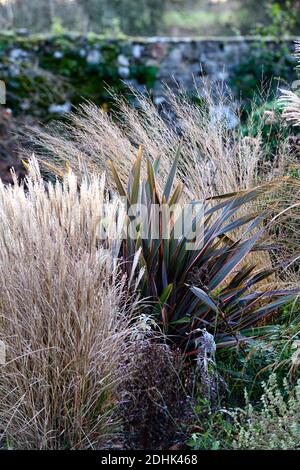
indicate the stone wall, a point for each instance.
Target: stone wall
{"x":47,"y":75}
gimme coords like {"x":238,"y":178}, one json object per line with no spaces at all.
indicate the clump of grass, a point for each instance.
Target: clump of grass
{"x":64,"y":315}
{"x":216,"y":157}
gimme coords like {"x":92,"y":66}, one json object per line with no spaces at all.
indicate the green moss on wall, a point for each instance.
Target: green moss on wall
{"x":46,"y":75}
{"x":41,"y":72}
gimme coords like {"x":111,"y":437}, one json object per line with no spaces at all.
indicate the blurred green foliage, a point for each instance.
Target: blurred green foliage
{"x":152,"y":17}
{"x":59,"y":72}
{"x":264,"y":68}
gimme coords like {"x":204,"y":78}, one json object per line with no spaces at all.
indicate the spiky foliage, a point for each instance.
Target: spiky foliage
{"x":215,"y":159}
{"x":64,"y":315}
{"x":206,"y":286}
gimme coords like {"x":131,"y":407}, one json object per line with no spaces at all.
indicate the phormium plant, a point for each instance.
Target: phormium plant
{"x":207,"y":286}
